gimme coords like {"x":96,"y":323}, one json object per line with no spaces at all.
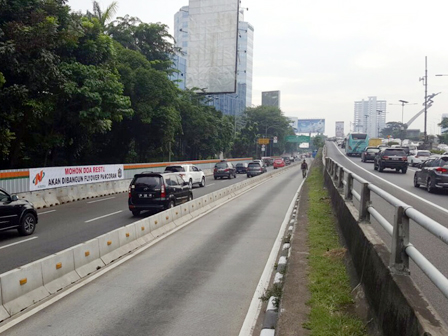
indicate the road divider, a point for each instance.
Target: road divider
{"x":25,"y":286}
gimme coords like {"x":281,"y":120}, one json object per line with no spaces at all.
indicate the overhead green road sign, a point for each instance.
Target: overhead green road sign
{"x":298,"y":138}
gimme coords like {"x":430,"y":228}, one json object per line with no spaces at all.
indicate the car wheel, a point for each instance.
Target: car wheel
{"x":404,"y":170}
{"x":412,"y":164}
{"x":429,"y":186}
{"x":190,"y":184}
{"x":234,"y":175}
{"x":190,"y":197}
{"x":203,"y":181}
{"x":171,"y":205}
{"x":215,"y":177}
{"x":416,"y":184}
{"x":135,"y":212}
{"x":27,"y":224}
{"x":375,"y":167}
{"x":380,"y":167}
{"x":248,"y":175}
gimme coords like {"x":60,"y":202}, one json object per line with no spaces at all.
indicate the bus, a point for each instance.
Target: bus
{"x":356,"y":143}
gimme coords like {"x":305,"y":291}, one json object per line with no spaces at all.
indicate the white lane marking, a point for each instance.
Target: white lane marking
{"x":100,"y":200}
{"x":390,"y":183}
{"x":255,"y":305}
{"x":45,"y":212}
{"x":208,"y":185}
{"x":19,"y":242}
{"x":111,"y":214}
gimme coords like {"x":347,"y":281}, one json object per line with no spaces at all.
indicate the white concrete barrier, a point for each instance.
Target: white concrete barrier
{"x":82,"y":192}
{"x":183,"y":215}
{"x":50,"y":197}
{"x":128,"y":239}
{"x":58,"y":270}
{"x":63,"y":195}
{"x":167,"y":218}
{"x":22,"y":287}
{"x":87,"y":257}
{"x":3,"y":313}
{"x":143,"y":231}
{"x":155,"y":223}
{"x":109,"y":188}
{"x":109,"y":246}
{"x":100,"y":189}
{"x":91,"y":190}
{"x":37,"y":198}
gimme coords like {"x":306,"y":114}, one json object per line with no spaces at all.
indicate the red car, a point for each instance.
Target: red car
{"x":278,"y":163}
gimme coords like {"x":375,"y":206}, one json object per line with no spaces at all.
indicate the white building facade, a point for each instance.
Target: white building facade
{"x":370,"y":116}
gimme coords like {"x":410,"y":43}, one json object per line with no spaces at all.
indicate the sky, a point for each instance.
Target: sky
{"x":324,"y":55}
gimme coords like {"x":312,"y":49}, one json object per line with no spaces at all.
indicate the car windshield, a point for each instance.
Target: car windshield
{"x":359,"y":136}
{"x":147,"y":181}
{"x":175,"y":169}
{"x":254,"y":164}
{"x":424,"y":153}
{"x":240,"y":164}
{"x":373,"y":150}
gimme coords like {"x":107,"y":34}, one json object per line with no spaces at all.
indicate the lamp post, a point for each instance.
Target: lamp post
{"x":403,"y":103}
{"x":266,"y":133}
{"x":378,"y":121}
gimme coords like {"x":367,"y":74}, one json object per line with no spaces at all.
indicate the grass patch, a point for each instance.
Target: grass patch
{"x":331,"y":302}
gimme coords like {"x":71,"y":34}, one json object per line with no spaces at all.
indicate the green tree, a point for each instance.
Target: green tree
{"x":444,"y":124}
{"x":394,"y":129}
{"x":105,"y":16}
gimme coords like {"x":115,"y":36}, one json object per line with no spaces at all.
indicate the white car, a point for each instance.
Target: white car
{"x":189,"y":173}
{"x":419,"y":157}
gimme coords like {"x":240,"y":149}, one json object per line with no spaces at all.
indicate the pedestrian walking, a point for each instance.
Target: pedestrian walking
{"x":304,"y":167}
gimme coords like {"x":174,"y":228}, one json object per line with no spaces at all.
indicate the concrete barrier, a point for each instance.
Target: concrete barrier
{"x":155,"y":223}
{"x":64,"y":195}
{"x":22,"y":287}
{"x":128,"y":239}
{"x":91,"y":190}
{"x":82,"y":192}
{"x":100,"y":189}
{"x":143,"y":231}
{"x":58,"y":270}
{"x":184,"y":214}
{"x":37,"y":198}
{"x":109,"y":188}
{"x":109,"y":246}
{"x":50,"y":197}
{"x":3,"y":313}
{"x":197,"y":207}
{"x":87,"y":257}
{"x":167,"y":219}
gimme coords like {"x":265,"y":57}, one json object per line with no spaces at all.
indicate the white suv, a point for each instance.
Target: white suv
{"x":190,"y":174}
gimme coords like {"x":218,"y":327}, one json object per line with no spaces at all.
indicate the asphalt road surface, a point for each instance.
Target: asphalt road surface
{"x":67,"y":225}
{"x":199,"y":281}
{"x":434,"y":206}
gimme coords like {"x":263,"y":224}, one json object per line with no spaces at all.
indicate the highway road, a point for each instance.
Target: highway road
{"x":198,"y":281}
{"x":70,"y":224}
{"x":434,"y":206}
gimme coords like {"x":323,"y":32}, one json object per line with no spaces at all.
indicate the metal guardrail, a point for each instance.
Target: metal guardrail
{"x":401,"y":247}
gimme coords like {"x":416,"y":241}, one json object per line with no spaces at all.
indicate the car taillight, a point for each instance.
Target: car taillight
{"x":129,"y":191}
{"x":404,"y":158}
{"x":441,"y":170}
{"x":416,"y":156}
{"x":215,"y":170}
{"x":227,"y":169}
{"x":385,"y":157}
{"x":162,"y":191}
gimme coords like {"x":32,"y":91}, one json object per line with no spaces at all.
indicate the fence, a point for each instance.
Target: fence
{"x":401,"y":246}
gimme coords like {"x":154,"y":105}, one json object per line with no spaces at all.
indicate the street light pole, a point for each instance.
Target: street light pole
{"x":402,"y":108}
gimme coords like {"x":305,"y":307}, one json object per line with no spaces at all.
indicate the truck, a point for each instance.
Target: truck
{"x":375,"y":142}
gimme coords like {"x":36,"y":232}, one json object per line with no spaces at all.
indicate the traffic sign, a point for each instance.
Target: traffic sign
{"x":297,"y":138}
{"x":275,"y":139}
{"x":263,"y":141}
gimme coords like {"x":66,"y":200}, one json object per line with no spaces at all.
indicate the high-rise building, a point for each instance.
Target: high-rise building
{"x":230,"y":103}
{"x":370,"y":116}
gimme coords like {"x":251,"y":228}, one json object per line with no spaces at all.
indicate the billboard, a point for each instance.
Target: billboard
{"x":270,"y":98}
{"x":339,"y":129}
{"x":55,"y":177}
{"x":311,"y":126}
{"x":212,"y":45}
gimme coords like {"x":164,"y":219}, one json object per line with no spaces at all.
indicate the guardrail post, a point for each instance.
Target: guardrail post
{"x":399,"y":260}
{"x":340,"y":183}
{"x":364,"y":203}
{"x":348,"y":187}
{"x":334,"y":171}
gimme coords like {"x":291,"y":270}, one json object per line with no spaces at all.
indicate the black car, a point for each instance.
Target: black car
{"x":17,"y":214}
{"x":241,"y":168}
{"x":254,"y":169}
{"x":433,"y":174}
{"x":369,"y":154}
{"x":224,"y":169}
{"x":393,"y":158}
{"x":157,"y":191}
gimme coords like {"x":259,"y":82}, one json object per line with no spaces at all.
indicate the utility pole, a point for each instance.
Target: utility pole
{"x":425,"y":83}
